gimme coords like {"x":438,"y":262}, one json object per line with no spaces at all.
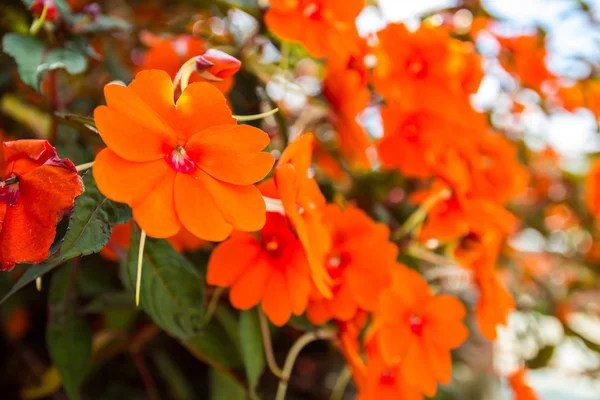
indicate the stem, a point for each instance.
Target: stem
{"x":268,"y":345}
{"x":37,"y":24}
{"x":254,"y":117}
{"x":149,"y":384}
{"x":337,"y":393}
{"x":417,"y":218}
{"x":84,"y":167}
{"x":293,"y":354}
{"x":212,"y":305}
{"x":138,"y":282}
{"x":38,"y":283}
{"x":184,"y":73}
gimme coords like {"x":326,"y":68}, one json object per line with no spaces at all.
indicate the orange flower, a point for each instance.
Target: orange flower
{"x":358,"y":274}
{"x":592,"y":185}
{"x":324,"y":27}
{"x":374,"y":379}
{"x":36,"y":189}
{"x":416,"y":330}
{"x":273,"y":271}
{"x":423,"y":70}
{"x":121,"y":237}
{"x":521,"y":389}
{"x":479,"y":253}
{"x":180,"y":165}
{"x":169,"y":54}
{"x":303,"y":204}
{"x":525,"y":57}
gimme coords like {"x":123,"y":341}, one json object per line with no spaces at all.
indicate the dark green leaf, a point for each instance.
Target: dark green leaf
{"x":110,"y":302}
{"x":214,"y":346}
{"x":172,"y":290}
{"x":252,"y":346}
{"x":222,"y":387}
{"x":69,"y":338}
{"x":89,"y":229}
{"x":27,"y":52}
{"x":179,"y":386}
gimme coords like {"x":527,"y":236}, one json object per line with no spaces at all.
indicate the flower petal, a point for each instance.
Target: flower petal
{"x":129,"y":140}
{"x":197,"y":209}
{"x":199,"y":107}
{"x":156,"y":88}
{"x":231,"y":153}
{"x":242,"y":206}
{"x":155,"y":213}
{"x":247,"y":291}
{"x":276,"y":299}
{"x":127,"y":182}
{"x":231,"y":258}
{"x":445,"y":308}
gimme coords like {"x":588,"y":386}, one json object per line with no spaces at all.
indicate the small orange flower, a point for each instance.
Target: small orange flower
{"x":374,"y":379}
{"x":36,"y":189}
{"x":592,"y":186}
{"x":521,"y":389}
{"x":303,"y":204}
{"x":273,"y":270}
{"x":479,"y":253}
{"x":416,"y":330}
{"x":120,"y":239}
{"x":324,"y":27}
{"x":358,"y":274}
{"x":525,"y":57}
{"x":180,"y":165}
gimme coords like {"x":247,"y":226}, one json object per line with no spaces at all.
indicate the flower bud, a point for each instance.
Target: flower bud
{"x":37,"y":7}
{"x":215,"y":65}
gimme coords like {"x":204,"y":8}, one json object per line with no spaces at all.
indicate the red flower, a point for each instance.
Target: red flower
{"x":36,"y":189}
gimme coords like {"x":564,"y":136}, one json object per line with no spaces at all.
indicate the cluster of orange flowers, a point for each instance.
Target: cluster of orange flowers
{"x":188,"y":171}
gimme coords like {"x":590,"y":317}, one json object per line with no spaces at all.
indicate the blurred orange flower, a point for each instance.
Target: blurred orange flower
{"x":479,"y":253}
{"x":273,"y":270}
{"x":358,"y":273}
{"x":525,"y":56}
{"x":521,"y":389}
{"x":592,"y":185}
{"x":324,"y":27}
{"x":36,"y":189}
{"x":416,"y":330}
{"x":303,"y":204}
{"x":180,"y":165}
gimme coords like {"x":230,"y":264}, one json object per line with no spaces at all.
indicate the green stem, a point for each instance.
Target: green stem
{"x":212,"y":305}
{"x":417,"y":218}
{"x":37,"y":24}
{"x":254,"y":117}
{"x":305,"y":339}
{"x":337,"y":393}
{"x":268,"y":345}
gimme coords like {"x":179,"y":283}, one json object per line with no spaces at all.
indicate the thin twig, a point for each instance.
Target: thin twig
{"x":337,"y":393}
{"x":268,"y":345}
{"x":212,"y":305}
{"x":149,"y":384}
{"x":293,"y":354}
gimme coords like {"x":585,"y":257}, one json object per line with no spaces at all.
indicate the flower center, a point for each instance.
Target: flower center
{"x":387,"y":378}
{"x":9,"y":191}
{"x":417,"y":68}
{"x":180,"y":161}
{"x":416,"y":324}
{"x":336,"y":265}
{"x":312,"y":10}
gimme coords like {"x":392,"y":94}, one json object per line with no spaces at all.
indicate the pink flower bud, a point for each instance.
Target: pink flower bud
{"x":215,"y":65}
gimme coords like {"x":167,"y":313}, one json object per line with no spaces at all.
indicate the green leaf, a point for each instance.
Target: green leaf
{"x":27,"y":52}
{"x":103,"y":23}
{"x":89,"y":229}
{"x":252,"y":347}
{"x":214,"y":346}
{"x":172,"y":290}
{"x":222,"y":387}
{"x":68,"y":336}
{"x":91,"y":223}
{"x":70,"y":60}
